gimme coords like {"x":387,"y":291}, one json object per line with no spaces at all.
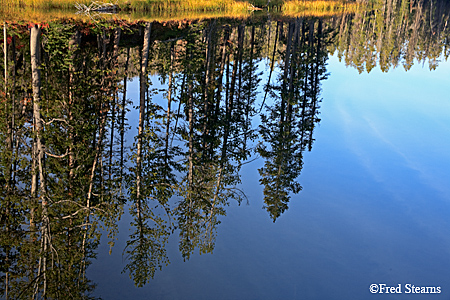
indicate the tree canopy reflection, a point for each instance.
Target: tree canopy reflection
{"x":205,"y":108}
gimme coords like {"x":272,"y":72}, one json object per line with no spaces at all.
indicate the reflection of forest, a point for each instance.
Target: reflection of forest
{"x":66,"y":171}
{"x":394,"y":32}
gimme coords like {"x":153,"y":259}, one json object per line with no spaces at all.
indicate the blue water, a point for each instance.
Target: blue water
{"x":374,"y":208}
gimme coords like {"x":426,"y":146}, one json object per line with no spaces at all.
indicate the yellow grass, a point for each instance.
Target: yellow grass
{"x":137,"y":5}
{"x":36,"y":15}
{"x":14,"y":10}
{"x":187,"y":5}
{"x":319,"y":7}
{"x":67,"y":4}
{"x":16,"y":14}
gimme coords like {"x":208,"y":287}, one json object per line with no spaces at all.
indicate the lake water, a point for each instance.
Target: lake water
{"x":374,"y":206}
{"x":369,"y":150}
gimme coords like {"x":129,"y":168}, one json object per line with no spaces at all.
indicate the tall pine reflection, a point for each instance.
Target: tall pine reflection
{"x":288,"y":125}
{"x":205,"y":108}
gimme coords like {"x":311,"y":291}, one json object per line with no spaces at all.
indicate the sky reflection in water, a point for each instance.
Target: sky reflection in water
{"x":374,"y":206}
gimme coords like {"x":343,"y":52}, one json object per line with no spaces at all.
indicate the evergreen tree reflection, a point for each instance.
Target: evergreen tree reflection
{"x":288,"y":126}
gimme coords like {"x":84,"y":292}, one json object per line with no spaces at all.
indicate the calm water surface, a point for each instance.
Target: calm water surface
{"x":374,"y":206}
{"x":337,"y":181}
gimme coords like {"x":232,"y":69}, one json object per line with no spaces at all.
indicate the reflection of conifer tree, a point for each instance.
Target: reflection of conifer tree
{"x":155,"y":184}
{"x":81,"y":100}
{"x":210,"y":175}
{"x":189,"y":211}
{"x":287,"y":127}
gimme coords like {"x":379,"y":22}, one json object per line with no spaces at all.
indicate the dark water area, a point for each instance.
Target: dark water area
{"x":259,"y":158}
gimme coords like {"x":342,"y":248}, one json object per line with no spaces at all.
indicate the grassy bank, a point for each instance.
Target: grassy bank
{"x":35,"y":10}
{"x":37,"y":15}
{"x":319,"y":7}
{"x":186,"y":5}
{"x":136,"y":5}
{"x":191,"y":5}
